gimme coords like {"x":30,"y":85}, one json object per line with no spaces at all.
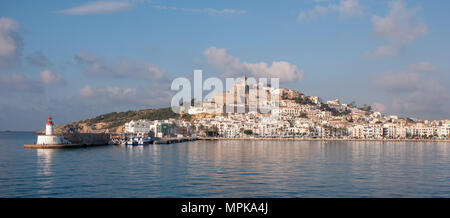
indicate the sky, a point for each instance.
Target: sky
{"x":78,"y":59}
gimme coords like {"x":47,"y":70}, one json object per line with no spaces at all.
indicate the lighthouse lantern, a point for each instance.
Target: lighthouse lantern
{"x":49,"y":126}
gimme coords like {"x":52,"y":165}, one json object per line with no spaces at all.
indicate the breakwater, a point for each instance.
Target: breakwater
{"x":90,"y":139}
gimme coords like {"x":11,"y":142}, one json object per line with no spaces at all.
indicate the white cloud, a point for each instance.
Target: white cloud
{"x":87,"y":91}
{"x":99,"y":67}
{"x":232,"y":67}
{"x":425,"y":67}
{"x":313,"y":13}
{"x":406,"y":81}
{"x":348,"y":8}
{"x":412,"y":92}
{"x":397,"y":82}
{"x":399,"y":28}
{"x":10,"y":42}
{"x":223,"y":11}
{"x":345,"y":8}
{"x":209,"y":11}
{"x":18,"y":83}
{"x":98,"y":7}
{"x":49,"y":77}
{"x":122,"y":98}
{"x":384,"y":50}
{"x":109,"y":92}
{"x":431,"y":99}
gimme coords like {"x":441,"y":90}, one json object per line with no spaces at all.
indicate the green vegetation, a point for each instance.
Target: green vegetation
{"x":116,"y":119}
{"x":212,"y":132}
{"x":160,"y":114}
{"x":334,"y":111}
{"x":366,"y":108}
{"x":303,"y":115}
{"x":305,"y":100}
{"x":299,"y":100}
{"x":186,"y":117}
{"x":248,"y":132}
{"x":342,"y":113}
{"x":352,"y":104}
{"x":409,"y":120}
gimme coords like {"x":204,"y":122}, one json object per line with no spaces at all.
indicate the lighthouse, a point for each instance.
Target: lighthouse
{"x":49,"y":138}
{"x":49,"y":126}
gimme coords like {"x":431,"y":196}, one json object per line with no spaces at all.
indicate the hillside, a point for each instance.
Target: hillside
{"x":115,"y":121}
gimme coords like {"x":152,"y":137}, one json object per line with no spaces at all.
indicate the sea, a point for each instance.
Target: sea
{"x":226,"y":168}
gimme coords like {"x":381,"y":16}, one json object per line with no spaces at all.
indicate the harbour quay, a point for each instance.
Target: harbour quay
{"x":174,"y":140}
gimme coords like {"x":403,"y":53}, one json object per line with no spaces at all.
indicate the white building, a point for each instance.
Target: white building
{"x":314,"y":99}
{"x":334,"y":102}
{"x":196,"y":110}
{"x":445,"y":130}
{"x":138,"y":127}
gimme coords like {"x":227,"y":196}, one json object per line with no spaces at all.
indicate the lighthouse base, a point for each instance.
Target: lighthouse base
{"x":36,"y":146}
{"x":51,"y":140}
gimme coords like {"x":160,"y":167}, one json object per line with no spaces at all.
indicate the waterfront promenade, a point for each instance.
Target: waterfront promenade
{"x":329,"y":139}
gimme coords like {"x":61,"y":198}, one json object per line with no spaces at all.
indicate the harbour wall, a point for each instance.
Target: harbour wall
{"x":87,"y":138}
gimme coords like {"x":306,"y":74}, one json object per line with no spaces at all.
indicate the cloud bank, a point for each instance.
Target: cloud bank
{"x":399,"y":28}
{"x":18,"y":83}
{"x":97,"y":66}
{"x":10,"y":42}
{"x":414,"y":92}
{"x":232,"y":67}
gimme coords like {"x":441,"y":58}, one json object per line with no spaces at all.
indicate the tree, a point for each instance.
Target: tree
{"x":366,"y":108}
{"x":186,"y":117}
{"x":352,"y":104}
{"x":248,"y":132}
{"x":213,"y":131}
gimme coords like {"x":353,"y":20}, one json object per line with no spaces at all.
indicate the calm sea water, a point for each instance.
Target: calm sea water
{"x":226,"y":169}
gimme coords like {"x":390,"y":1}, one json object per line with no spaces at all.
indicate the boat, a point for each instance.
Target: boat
{"x":139,"y":141}
{"x":144,"y":141}
{"x":131,"y":141}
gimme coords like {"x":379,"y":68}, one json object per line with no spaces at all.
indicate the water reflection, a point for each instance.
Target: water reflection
{"x":296,"y":169}
{"x":228,"y":169}
{"x":44,"y":161}
{"x":44,"y":169}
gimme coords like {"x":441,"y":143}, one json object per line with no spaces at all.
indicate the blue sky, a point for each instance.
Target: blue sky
{"x":78,"y":59}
